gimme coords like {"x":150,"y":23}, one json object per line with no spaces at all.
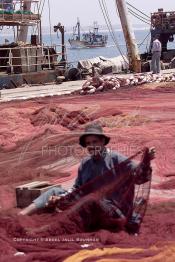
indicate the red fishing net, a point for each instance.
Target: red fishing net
{"x":136,"y":118}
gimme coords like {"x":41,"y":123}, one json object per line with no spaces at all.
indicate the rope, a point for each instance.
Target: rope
{"x":138,"y":16}
{"x":144,"y":39}
{"x":106,"y":17}
{"x":42,"y":1}
{"x":50,"y":23}
{"x":148,"y":43}
{"x":42,"y":7}
{"x":33,"y":27}
{"x":109,"y":26}
{"x":137,"y":10}
{"x":39,"y":5}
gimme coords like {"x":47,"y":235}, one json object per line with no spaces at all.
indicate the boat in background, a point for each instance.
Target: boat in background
{"x":87,"y":40}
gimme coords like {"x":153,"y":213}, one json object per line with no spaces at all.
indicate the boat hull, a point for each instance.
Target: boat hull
{"x":84,"y":44}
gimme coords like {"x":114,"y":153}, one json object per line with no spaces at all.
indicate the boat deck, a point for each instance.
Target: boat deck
{"x":18,"y":19}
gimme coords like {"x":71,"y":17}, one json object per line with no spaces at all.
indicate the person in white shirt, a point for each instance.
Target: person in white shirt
{"x":156,"y":54}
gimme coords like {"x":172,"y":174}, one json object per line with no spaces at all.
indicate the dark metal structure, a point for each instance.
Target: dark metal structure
{"x":163,"y":25}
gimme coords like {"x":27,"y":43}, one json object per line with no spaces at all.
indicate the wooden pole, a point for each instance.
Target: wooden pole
{"x":132,"y":49}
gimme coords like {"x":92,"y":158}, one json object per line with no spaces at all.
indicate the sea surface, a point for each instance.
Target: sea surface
{"x":74,"y":55}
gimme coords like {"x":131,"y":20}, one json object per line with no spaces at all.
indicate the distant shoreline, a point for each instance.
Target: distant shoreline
{"x":70,"y":32}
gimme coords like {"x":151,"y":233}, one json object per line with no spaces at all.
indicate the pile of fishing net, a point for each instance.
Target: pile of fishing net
{"x":58,"y":116}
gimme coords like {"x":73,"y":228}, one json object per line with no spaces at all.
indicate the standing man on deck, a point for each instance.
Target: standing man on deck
{"x":156,"y":55}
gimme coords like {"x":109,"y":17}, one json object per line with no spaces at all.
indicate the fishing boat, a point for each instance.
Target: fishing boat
{"x":87,"y":40}
{"x":24,"y":59}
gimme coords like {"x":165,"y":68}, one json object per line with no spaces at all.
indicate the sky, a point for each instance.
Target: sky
{"x":67,"y":11}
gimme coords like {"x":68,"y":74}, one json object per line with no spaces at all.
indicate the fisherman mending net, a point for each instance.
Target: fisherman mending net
{"x":104,"y":191}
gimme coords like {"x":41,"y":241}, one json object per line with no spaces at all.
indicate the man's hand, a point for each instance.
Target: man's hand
{"x":52,"y":201}
{"x":152,"y":153}
{"x":144,"y":171}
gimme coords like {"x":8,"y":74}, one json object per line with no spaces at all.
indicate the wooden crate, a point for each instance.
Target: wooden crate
{"x":25,"y":194}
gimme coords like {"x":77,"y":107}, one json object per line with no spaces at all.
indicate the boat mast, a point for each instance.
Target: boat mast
{"x":95,"y":28}
{"x":132,"y":49}
{"x":24,"y":29}
{"x":78,"y":27}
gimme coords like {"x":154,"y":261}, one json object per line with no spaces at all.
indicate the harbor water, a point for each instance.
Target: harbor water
{"x":74,"y":55}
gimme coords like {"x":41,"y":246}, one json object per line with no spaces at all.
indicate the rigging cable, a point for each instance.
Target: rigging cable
{"x":108,"y":17}
{"x":146,"y":19}
{"x":148,"y":43}
{"x":111,"y":30}
{"x":50,"y":23}
{"x":33,"y":26}
{"x":40,"y":13}
{"x":138,"y":17}
{"x":137,"y":10}
{"x":109,"y":26}
{"x":144,"y":39}
{"x":42,"y":6}
{"x":143,"y":20}
{"x":106,"y":20}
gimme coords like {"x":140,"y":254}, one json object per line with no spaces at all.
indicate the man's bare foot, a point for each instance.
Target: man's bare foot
{"x":28,"y":210}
